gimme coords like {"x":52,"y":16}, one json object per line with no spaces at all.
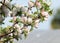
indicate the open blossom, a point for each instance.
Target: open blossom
{"x":31,"y":4}
{"x":29,"y":20}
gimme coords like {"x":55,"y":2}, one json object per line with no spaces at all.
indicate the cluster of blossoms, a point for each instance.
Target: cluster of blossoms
{"x":23,"y":17}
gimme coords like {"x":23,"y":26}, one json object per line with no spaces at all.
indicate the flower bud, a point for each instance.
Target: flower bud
{"x":24,"y":19}
{"x":29,"y":20}
{"x":17,"y":26}
{"x":31,"y":4}
{"x":44,"y":13}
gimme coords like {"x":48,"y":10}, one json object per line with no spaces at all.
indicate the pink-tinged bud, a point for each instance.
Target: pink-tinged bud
{"x":44,"y":13}
{"x":29,"y":20}
{"x":38,"y":4}
{"x":31,"y":4}
{"x":45,"y":18}
{"x":24,"y":19}
{"x":17,"y":26}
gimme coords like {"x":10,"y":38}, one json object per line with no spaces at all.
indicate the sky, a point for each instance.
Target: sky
{"x":42,"y":26}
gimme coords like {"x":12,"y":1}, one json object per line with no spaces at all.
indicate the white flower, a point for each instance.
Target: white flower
{"x":31,"y":4}
{"x":29,"y":20}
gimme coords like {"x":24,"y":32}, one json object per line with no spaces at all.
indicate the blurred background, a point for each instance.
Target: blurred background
{"x":47,"y":31}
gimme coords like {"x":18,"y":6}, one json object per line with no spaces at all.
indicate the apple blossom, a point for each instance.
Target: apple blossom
{"x":38,"y":4}
{"x":29,"y":20}
{"x":31,"y":4}
{"x":44,"y":13}
{"x":24,"y":19}
{"x":17,"y":26}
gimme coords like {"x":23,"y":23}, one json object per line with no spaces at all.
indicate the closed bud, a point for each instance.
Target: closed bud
{"x":29,"y":20}
{"x":38,"y":4}
{"x":44,"y":13}
{"x":31,"y":4}
{"x":24,"y":19}
{"x":17,"y":26}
